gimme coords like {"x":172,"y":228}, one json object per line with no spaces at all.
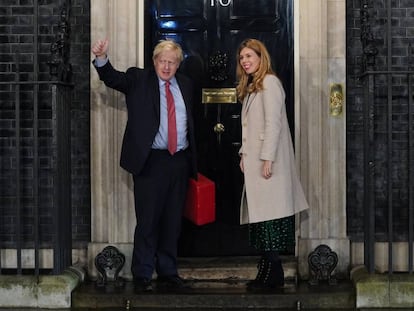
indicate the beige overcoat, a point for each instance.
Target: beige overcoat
{"x":266,"y":136}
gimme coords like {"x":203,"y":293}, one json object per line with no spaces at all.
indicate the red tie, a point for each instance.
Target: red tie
{"x":172,"y":126}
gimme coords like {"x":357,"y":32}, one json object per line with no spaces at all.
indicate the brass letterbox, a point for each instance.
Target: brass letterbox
{"x":219,"y":95}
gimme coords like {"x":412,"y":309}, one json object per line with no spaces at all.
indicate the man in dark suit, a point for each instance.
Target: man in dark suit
{"x":160,"y":164}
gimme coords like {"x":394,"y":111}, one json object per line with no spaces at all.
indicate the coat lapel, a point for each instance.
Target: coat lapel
{"x":248,"y":101}
{"x":184,"y":92}
{"x":155,"y":98}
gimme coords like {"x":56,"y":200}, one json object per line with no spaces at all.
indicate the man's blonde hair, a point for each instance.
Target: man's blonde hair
{"x":168,"y":45}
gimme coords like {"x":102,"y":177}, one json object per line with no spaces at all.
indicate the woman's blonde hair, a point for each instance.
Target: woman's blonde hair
{"x":168,"y":45}
{"x":244,"y":86}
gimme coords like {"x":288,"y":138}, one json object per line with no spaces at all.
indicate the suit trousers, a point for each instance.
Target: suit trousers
{"x":160,"y":192}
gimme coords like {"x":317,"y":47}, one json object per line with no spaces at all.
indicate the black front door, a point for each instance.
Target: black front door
{"x":209,"y":32}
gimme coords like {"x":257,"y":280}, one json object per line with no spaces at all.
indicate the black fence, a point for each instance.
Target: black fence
{"x":384,"y":170}
{"x":58,"y":201}
{"x":388,"y":144}
{"x":37,"y":201}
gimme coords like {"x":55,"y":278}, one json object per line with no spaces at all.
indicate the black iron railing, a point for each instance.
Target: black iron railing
{"x":60,"y":101}
{"x":371,"y":169}
{"x":385,"y":91}
{"x":58,"y":212}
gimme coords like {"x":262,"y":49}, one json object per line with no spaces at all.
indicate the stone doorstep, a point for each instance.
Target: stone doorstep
{"x":215,"y":283}
{"x":383,"y":290}
{"x":321,"y":297}
{"x":218,"y":283}
{"x":223,"y":271}
{"x":217,"y":300}
{"x":228,"y":272}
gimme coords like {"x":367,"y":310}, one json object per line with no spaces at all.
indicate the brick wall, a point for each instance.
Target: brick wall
{"x":17,"y":35}
{"x":80,"y":58}
{"x":401,"y":35}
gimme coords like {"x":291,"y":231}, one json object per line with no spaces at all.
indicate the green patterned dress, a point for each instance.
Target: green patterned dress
{"x":273,"y":235}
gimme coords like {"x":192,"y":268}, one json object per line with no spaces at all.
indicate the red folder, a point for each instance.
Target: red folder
{"x":200,"y":207}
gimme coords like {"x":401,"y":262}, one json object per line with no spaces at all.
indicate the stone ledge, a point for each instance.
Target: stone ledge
{"x":382,"y":290}
{"x":205,"y":297}
{"x":46,"y":291}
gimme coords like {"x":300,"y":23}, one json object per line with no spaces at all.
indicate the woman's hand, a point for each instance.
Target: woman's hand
{"x":241,"y":164}
{"x":267,"y":169}
{"x":100,"y":47}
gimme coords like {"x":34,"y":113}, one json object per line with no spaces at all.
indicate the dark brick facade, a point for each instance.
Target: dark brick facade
{"x":80,"y":59}
{"x":17,"y":18}
{"x":402,"y":34}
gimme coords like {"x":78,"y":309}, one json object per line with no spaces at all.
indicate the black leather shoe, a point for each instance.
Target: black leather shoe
{"x":142,"y":285}
{"x":173,"y":282}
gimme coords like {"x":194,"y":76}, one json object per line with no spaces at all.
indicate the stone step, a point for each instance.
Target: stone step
{"x":229,"y":271}
{"x":218,"y":284}
{"x":300,"y":297}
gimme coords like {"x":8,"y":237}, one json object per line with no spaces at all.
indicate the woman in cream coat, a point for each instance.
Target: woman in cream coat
{"x":272,"y":193}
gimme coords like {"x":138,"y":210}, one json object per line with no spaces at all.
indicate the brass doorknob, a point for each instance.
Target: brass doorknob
{"x":219,"y":128}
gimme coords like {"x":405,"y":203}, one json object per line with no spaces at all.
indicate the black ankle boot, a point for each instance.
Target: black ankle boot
{"x":270,"y":274}
{"x":274,"y":276}
{"x":262,"y":267}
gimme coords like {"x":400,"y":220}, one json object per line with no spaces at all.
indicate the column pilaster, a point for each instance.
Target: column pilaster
{"x":113,"y":214}
{"x":320,"y":135}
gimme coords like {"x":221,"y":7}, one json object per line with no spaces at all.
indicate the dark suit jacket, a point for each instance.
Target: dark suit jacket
{"x":142,"y":95}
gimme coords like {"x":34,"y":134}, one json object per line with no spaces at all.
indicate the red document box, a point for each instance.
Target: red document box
{"x":200,"y":207}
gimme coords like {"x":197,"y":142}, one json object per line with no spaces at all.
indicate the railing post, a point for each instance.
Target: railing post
{"x":61,"y":100}
{"x":410,"y":164}
{"x":369,"y":172}
{"x":18,"y":162}
{"x":389,"y":139}
{"x":370,"y":51}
